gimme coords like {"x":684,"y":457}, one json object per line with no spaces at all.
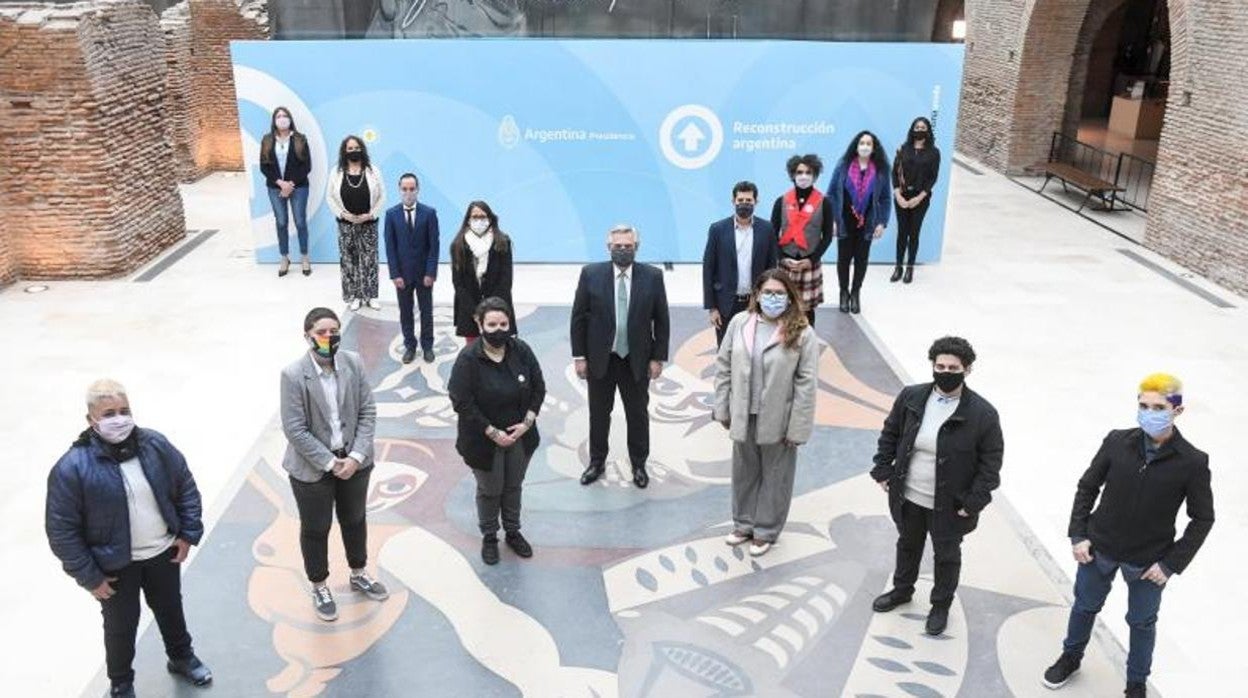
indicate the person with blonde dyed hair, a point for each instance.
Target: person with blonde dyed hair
{"x":122,"y":512}
{"x":1141,"y":476}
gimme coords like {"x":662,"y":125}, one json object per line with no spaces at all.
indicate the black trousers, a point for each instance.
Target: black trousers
{"x":161,"y":583}
{"x":636,"y":397}
{"x":909,"y":220}
{"x":317,"y":502}
{"x":739,"y":305}
{"x":407,"y":315}
{"x":499,"y":490}
{"x":855,"y":248}
{"x":916,"y":522}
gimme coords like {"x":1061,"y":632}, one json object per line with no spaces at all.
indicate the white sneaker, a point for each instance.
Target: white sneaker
{"x":736,"y":538}
{"x":355,"y":304}
{"x":759,"y":547}
{"x":374,"y":304}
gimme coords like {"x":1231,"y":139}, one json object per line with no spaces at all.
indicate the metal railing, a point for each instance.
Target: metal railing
{"x":1133,"y":174}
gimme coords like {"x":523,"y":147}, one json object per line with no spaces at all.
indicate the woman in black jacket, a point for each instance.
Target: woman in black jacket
{"x":286,"y":161}
{"x":914,"y":174}
{"x":497,"y":390}
{"x":481,"y":267}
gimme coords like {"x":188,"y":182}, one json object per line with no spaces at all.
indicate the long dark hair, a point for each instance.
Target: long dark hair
{"x":931,"y":135}
{"x":297,"y":142}
{"x":793,"y":319}
{"x":877,"y":153}
{"x":342,"y":153}
{"x":460,"y":253}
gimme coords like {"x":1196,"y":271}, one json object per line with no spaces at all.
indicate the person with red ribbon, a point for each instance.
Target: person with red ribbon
{"x":804,"y":221}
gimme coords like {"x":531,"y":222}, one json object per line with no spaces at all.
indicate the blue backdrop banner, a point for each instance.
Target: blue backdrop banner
{"x":565,"y":138}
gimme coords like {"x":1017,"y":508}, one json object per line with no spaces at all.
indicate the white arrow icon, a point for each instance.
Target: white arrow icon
{"x":690,"y":135}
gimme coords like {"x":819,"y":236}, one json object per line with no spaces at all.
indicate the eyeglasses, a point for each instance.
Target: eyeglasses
{"x":773,"y":294}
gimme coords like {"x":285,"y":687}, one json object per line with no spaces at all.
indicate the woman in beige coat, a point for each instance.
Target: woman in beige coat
{"x":765,"y":385}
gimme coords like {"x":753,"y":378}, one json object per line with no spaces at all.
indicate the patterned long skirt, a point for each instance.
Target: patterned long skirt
{"x":357,"y":250}
{"x":809,"y":285}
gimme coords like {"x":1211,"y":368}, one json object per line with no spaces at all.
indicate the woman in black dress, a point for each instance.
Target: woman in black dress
{"x":481,"y":267}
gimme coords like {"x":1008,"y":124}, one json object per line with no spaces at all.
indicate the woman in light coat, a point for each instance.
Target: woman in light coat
{"x":356,"y":196}
{"x":765,"y":385}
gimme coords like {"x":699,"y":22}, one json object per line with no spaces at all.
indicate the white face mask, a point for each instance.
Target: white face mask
{"x":115,"y":429}
{"x":283,"y":122}
{"x":479,"y":226}
{"x":409,"y":198}
{"x":804,"y":181}
{"x":864,"y":151}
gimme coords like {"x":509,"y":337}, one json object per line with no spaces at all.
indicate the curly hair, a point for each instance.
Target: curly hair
{"x":809,"y":159}
{"x":955,"y":346}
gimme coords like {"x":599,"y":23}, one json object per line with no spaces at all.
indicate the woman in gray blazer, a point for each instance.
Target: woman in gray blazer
{"x":329,"y":418}
{"x":765,"y":384}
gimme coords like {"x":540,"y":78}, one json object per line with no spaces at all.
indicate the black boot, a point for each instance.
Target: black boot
{"x":896,"y":274}
{"x":909,"y":274}
{"x":844,"y":301}
{"x":854,"y":306}
{"x":489,"y":549}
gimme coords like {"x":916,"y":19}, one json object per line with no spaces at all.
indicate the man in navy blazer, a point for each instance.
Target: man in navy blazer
{"x":620,"y":331}
{"x":738,"y":249}
{"x":411,"y":231}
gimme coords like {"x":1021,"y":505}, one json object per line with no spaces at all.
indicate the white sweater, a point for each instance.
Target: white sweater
{"x":376,"y":192}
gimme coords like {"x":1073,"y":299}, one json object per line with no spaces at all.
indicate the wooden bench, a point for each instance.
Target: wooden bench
{"x":1079,"y":179}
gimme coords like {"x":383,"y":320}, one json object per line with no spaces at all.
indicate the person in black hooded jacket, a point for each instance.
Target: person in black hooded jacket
{"x":122,"y":512}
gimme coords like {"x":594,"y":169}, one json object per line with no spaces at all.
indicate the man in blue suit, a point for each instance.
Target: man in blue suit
{"x":411,"y":231}
{"x":738,"y":249}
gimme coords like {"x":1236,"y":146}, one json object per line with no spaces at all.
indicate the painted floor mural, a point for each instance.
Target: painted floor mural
{"x":631,"y":592}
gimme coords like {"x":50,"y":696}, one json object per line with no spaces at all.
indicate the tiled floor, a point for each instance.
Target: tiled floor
{"x":1064,"y":325}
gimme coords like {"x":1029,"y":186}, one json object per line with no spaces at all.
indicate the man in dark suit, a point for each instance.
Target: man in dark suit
{"x":620,"y":334}
{"x":411,"y":231}
{"x":738,"y":249}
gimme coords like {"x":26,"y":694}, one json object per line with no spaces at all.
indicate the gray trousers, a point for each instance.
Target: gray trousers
{"x":498,"y":490}
{"x":762,"y":485}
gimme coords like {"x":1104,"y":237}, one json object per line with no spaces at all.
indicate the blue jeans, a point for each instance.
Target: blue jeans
{"x":298,"y":201}
{"x":1092,"y":584}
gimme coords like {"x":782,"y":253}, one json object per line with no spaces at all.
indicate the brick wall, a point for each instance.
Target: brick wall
{"x":1198,"y":209}
{"x":212,"y":112}
{"x":175,"y":22}
{"x":8,"y":267}
{"x":90,"y":189}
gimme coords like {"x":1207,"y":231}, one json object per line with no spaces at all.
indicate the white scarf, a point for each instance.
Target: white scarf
{"x":480,"y":246}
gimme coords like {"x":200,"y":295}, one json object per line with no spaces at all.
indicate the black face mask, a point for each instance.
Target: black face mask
{"x":745,"y":210}
{"x":496,"y":338}
{"x":623,"y":258}
{"x":948,"y":382}
{"x":329,"y":351}
{"x":355,"y":156}
{"x":918,"y":136}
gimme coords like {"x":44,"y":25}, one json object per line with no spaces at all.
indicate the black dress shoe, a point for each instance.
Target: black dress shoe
{"x":889,"y":600}
{"x":909,"y":275}
{"x":854,"y":306}
{"x":489,"y":550}
{"x":844,"y":301}
{"x":121,"y":690}
{"x":518,"y":544}
{"x":640,"y":478}
{"x":896,"y":274}
{"x":593,"y":472}
{"x":190,"y":669}
{"x":937,"y":619}
{"x":428,"y":356}
{"x":409,"y":355}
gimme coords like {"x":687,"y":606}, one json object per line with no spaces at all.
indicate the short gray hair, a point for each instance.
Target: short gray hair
{"x":104,"y":389}
{"x":623,"y":229}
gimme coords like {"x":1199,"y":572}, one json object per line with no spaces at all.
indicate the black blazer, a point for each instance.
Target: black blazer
{"x":719,"y":262}
{"x":1134,"y":521}
{"x":297,"y":168}
{"x":469,"y":292}
{"x":593,"y":318}
{"x":969,"y":449}
{"x":473,"y":400}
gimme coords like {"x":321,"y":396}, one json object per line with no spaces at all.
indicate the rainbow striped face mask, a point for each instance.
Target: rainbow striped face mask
{"x":325,"y":347}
